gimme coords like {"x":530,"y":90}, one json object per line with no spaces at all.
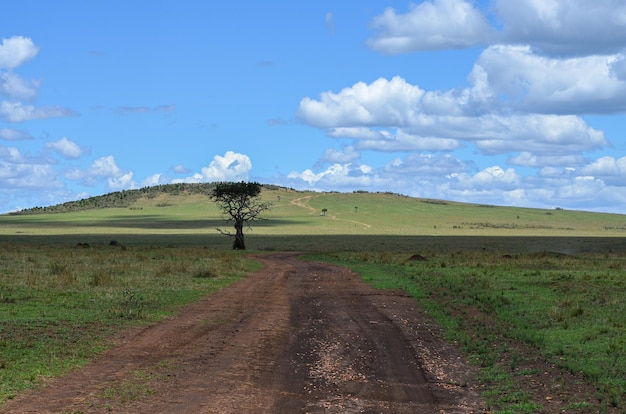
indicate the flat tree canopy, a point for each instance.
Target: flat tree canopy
{"x":239,"y":203}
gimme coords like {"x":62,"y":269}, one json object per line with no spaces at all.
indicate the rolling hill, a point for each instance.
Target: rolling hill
{"x":184,"y":212}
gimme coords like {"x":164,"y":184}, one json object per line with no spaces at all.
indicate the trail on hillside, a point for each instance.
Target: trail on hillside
{"x":293,"y":337}
{"x":304,"y":203}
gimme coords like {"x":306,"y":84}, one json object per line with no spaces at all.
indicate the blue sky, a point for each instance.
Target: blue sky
{"x":494,"y":102}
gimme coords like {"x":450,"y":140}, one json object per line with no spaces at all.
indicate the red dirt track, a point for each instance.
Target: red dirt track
{"x":294,"y":337}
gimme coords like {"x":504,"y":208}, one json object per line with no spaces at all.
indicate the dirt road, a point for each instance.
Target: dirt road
{"x":294,"y":337}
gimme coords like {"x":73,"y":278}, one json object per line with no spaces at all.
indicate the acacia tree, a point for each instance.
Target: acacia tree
{"x":240,"y":204}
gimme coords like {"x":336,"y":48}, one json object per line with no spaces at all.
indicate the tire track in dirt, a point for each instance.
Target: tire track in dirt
{"x":293,"y":337}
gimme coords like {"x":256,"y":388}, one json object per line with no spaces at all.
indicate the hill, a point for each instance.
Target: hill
{"x":122,"y":199}
{"x":183,"y":214}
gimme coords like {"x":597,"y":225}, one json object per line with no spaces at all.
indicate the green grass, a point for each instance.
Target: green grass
{"x":299,"y":213}
{"x":570,"y":308}
{"x":59,"y":305}
{"x":561,"y":291}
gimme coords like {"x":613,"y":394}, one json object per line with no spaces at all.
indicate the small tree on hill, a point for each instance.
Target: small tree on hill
{"x":240,"y":204}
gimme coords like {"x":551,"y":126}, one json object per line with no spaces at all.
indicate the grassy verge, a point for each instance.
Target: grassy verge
{"x":567,"y":309}
{"x":60,"y":305}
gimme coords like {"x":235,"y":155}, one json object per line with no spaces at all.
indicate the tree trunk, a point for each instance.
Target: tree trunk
{"x":239,"y":243}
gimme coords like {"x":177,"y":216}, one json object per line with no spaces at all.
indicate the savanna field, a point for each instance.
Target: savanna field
{"x":508,"y":285}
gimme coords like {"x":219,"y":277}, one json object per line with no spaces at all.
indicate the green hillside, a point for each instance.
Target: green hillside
{"x":185,"y":214}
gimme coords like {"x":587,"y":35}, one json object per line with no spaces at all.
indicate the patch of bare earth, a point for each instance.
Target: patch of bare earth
{"x":294,"y":337}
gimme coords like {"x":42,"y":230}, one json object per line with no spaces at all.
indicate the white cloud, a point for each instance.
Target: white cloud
{"x":16,"y":50}
{"x":426,"y":165}
{"x":66,"y":148}
{"x":121,"y":182}
{"x":17,"y":112}
{"x":564,"y":27}
{"x":573,"y":27}
{"x":22,"y":172}
{"x":154,"y":179}
{"x":10,"y":134}
{"x":436,"y":24}
{"x":103,"y":169}
{"x":404,"y":141}
{"x":617,"y":67}
{"x":356,"y":133}
{"x":493,"y":176}
{"x":337,"y":176}
{"x":231,"y":167}
{"x":383,"y":102}
{"x":526,"y":81}
{"x":539,"y":134}
{"x":15,"y":87}
{"x":355,"y":113}
{"x":580,"y":188}
{"x":612,"y":171}
{"x":527,"y":159}
{"x":347,"y":155}
{"x":548,"y":63}
{"x":447,"y":178}
{"x":181,"y":169}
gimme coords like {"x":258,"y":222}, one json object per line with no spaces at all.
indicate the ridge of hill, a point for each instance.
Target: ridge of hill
{"x":126,"y":198}
{"x":121,"y":199}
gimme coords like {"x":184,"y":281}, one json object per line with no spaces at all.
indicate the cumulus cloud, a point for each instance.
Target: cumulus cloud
{"x":154,"y":179}
{"x":16,"y":50}
{"x":427,"y":165}
{"x":104,"y":169}
{"x":24,"y":172}
{"x":337,"y":176}
{"x":15,"y":87}
{"x":430,"y":25}
{"x":393,"y":115}
{"x":527,"y":159}
{"x":489,"y":178}
{"x":446,"y":177}
{"x":529,"y":82}
{"x":404,"y":140}
{"x":231,"y":167}
{"x":611,"y":170}
{"x":545,"y":65}
{"x":564,"y":27}
{"x":574,"y":27}
{"x":66,"y":148}
{"x":383,"y":102}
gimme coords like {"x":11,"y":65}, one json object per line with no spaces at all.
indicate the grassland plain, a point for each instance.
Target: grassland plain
{"x":59,"y":305}
{"x":560,"y":289}
{"x":507,"y":311}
